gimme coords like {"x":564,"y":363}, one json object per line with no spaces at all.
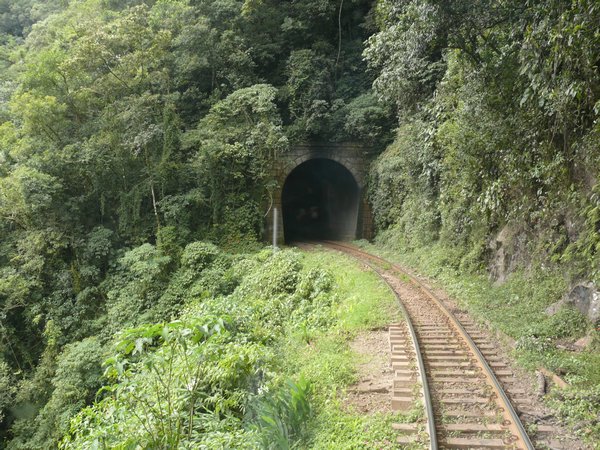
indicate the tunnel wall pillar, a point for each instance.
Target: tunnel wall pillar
{"x":365,"y":228}
{"x":280,"y":232}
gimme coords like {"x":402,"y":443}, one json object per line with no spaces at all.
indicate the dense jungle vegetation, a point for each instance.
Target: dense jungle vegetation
{"x":136,"y":145}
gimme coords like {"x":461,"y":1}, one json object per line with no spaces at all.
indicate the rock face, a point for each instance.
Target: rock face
{"x":585,"y":297}
{"x":508,"y":250}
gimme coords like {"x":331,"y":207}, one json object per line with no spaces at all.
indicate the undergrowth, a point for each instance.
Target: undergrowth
{"x":327,"y":360}
{"x":256,"y":353}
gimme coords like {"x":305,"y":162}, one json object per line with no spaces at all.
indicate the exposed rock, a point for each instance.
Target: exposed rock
{"x":508,"y":251}
{"x":541,"y":379}
{"x":584,"y":342}
{"x":572,"y":227}
{"x":567,"y":345}
{"x":578,"y":346}
{"x":585,"y":297}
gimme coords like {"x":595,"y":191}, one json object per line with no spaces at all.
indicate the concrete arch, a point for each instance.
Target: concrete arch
{"x":355,"y":158}
{"x":349,"y":165}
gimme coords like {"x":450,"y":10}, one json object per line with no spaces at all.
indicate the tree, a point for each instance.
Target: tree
{"x":239,"y":140}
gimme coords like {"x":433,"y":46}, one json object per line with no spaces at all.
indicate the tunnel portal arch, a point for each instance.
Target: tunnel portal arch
{"x":354,"y":157}
{"x":320,"y":200}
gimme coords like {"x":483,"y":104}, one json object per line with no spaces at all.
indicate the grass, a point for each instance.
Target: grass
{"x":517,"y":309}
{"x":328,"y":363}
{"x":366,"y":301}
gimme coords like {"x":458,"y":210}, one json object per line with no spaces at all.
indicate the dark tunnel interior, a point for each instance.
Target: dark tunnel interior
{"x":320,"y":201}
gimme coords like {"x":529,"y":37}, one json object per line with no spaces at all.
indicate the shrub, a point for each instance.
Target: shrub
{"x":172,"y":385}
{"x":281,"y":415}
{"x":76,"y":379}
{"x":198,"y":255}
{"x":145,"y":262}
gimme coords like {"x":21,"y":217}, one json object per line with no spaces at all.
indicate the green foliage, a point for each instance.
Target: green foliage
{"x":16,"y":19}
{"x":279,"y":274}
{"x":26,"y":196}
{"x":167,"y":382}
{"x":124,"y":123}
{"x":270,"y":297}
{"x":77,"y":378}
{"x":198,"y":255}
{"x":540,"y":337}
{"x":364,"y":119}
{"x":239,"y":140}
{"x":585,"y":252}
{"x":221,"y":375}
{"x":189,"y":382}
{"x":309,"y":89}
{"x":580,"y":408}
{"x":169,"y":242}
{"x":406,"y":52}
{"x":496,"y":128}
{"x":135,"y":288}
{"x":8,"y":389}
{"x":567,"y":322}
{"x":327,"y":364}
{"x":129,"y":129}
{"x":204,"y":272}
{"x":98,"y":247}
{"x":282,"y":414}
{"x":144,"y":263}
{"x":403,"y":186}
{"x":559,"y":58}
{"x":340,"y":430}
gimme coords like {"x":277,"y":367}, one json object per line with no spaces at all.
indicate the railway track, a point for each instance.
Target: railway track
{"x":461,"y":381}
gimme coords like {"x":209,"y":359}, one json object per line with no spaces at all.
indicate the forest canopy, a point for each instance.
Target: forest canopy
{"x":129,"y":129}
{"x":137,"y":141}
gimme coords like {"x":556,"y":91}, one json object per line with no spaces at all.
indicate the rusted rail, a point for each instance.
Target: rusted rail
{"x":454,"y":371}
{"x":421,"y":371}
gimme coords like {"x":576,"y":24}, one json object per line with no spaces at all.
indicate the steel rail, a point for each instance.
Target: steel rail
{"x":515,"y":425}
{"x":433,"y":444}
{"x":425,"y":391}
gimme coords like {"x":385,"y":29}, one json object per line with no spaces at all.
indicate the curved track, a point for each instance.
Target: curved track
{"x":465,"y":403}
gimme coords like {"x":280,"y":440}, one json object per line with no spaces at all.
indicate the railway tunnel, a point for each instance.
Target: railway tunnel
{"x":320,"y":200}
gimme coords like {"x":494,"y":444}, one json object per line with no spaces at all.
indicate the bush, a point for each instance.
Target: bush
{"x":402,"y":188}
{"x":198,"y":255}
{"x":76,"y":379}
{"x":134,"y":288}
{"x":169,"y":243}
{"x":281,"y":415}
{"x":145,"y":263}
{"x":172,"y":384}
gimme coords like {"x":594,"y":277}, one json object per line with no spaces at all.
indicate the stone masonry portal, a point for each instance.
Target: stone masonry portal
{"x":321,"y":193}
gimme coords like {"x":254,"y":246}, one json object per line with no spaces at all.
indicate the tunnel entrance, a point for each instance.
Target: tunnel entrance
{"x":320,"y":201}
